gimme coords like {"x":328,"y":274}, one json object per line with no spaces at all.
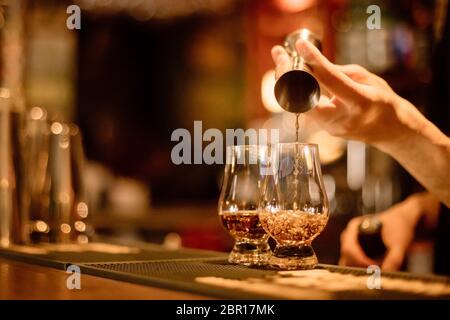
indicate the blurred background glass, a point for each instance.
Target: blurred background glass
{"x":139,"y":69}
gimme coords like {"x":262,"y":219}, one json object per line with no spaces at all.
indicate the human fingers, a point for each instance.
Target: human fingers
{"x":350,"y":248}
{"x":394,"y":259}
{"x":281,"y":59}
{"x":362,"y":75}
{"x":331,"y":77}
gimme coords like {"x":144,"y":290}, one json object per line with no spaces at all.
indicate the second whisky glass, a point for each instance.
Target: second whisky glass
{"x":238,"y":204}
{"x":294,"y":204}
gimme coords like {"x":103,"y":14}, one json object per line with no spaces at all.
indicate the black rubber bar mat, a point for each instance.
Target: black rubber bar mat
{"x":181,"y":275}
{"x":180,"y":270}
{"x":59,"y":259}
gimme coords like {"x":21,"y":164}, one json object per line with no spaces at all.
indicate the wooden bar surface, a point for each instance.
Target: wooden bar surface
{"x":21,"y":281}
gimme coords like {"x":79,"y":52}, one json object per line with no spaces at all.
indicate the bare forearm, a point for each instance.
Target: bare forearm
{"x":423,"y":150}
{"x":364,"y":107}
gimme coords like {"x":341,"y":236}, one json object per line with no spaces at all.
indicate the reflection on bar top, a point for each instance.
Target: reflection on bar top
{"x":89,"y":247}
{"x":319,"y":283}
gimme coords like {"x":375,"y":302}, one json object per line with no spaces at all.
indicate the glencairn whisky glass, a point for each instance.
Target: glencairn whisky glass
{"x":238,"y":204}
{"x":294,"y":206}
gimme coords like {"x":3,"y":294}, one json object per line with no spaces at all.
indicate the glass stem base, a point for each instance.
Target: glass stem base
{"x":250,"y":254}
{"x":293,"y":257}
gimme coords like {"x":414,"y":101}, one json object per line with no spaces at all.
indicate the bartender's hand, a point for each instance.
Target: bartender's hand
{"x":399,"y":224}
{"x":364,"y":107}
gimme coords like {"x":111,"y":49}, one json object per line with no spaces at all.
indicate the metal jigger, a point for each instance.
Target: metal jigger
{"x":297,"y":90}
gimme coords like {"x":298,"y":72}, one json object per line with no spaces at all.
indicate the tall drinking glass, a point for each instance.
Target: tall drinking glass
{"x":13,"y":219}
{"x":64,"y":194}
{"x":294,"y":205}
{"x":37,"y":134}
{"x":238,"y":204}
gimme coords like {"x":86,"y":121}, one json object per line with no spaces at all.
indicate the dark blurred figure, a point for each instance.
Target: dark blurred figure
{"x":440,"y":115}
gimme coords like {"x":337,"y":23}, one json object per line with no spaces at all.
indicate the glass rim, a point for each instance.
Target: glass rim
{"x":242,"y":146}
{"x":303,"y":144}
{"x":271,"y":144}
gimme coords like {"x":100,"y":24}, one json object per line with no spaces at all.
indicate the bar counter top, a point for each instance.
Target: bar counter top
{"x":24,"y":281}
{"x":111,"y":270}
